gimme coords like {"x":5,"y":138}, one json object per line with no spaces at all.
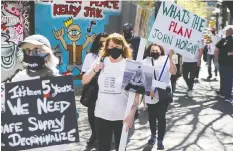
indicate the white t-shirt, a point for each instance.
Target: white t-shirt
{"x":158,"y":66}
{"x":195,"y":59}
{"x":89,"y":59}
{"x":112,"y":100}
{"x":211,"y":47}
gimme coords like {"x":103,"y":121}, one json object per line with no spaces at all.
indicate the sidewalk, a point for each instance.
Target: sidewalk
{"x":203,"y":123}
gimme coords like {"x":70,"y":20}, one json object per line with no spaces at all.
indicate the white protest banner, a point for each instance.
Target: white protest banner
{"x":177,"y":28}
{"x":124,"y":134}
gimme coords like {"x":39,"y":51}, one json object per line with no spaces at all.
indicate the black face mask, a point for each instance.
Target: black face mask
{"x":34,"y":62}
{"x":115,"y":52}
{"x":127,"y":35}
{"x":155,"y":55}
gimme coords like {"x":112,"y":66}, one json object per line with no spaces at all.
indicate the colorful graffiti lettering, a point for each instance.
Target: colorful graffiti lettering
{"x":72,"y":27}
{"x":14,"y":19}
{"x":92,"y":9}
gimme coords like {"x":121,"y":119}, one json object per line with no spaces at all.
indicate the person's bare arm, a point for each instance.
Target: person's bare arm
{"x":216,"y":54}
{"x":199,"y":57}
{"x":172,"y":69}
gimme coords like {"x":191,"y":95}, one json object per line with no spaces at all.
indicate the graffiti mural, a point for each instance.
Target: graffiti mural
{"x":71,"y":28}
{"x":14,"y":25}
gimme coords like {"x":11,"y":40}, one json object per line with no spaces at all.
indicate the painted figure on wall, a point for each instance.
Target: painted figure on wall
{"x":75,"y":51}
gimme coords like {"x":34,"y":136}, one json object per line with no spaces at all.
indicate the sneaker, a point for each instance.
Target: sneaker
{"x":209,"y":77}
{"x":219,"y":94}
{"x":160,"y":145}
{"x":228,"y":100}
{"x":151,"y":141}
{"x":190,"y":93}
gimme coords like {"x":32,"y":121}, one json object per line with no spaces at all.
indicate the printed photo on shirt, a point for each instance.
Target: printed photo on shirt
{"x":137,"y":77}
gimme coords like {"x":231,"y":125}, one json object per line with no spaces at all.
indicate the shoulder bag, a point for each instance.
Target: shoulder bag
{"x":163,"y":94}
{"x":90,"y":91}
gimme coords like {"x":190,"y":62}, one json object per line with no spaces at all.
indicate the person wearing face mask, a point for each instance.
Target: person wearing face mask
{"x":131,"y":39}
{"x":158,"y":102}
{"x":112,"y":100}
{"x":89,"y":59}
{"x":36,"y":54}
{"x":38,"y":59}
{"x":137,"y":82}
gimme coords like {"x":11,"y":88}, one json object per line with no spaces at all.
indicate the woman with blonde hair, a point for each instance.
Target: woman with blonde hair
{"x":112,"y":100}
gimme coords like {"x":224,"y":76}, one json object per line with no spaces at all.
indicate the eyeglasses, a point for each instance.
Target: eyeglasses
{"x":33,"y":52}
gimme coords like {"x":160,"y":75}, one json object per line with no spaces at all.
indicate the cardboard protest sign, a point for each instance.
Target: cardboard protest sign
{"x":137,"y":77}
{"x":177,"y":28}
{"x":39,"y":113}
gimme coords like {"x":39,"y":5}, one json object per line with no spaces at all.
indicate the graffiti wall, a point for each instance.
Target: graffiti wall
{"x":71,"y":28}
{"x":14,"y":26}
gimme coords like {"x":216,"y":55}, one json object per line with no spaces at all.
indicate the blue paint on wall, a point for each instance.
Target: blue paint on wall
{"x":45,"y":23}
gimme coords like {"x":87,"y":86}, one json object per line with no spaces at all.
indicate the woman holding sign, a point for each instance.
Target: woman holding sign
{"x":112,"y":100}
{"x":37,"y":56}
{"x":161,"y":90}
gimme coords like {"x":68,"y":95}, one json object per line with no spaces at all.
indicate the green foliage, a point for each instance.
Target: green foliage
{"x":195,"y":6}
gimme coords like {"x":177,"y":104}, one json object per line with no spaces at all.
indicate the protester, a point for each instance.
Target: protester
{"x":191,"y":68}
{"x":112,"y":100}
{"x":224,"y":56}
{"x":210,"y":56}
{"x":131,"y":39}
{"x":39,"y":61}
{"x":158,"y":102}
{"x":37,"y":56}
{"x":89,"y":59}
{"x":134,"y":42}
{"x":137,"y":82}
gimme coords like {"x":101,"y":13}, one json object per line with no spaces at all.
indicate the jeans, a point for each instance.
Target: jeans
{"x":226,"y":77}
{"x":189,"y":73}
{"x":157,"y":112}
{"x":210,"y":58}
{"x":105,"y":130}
{"x":91,"y":119}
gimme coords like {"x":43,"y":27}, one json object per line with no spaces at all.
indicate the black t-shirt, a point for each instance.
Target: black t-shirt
{"x":225,"y":45}
{"x":134,"y":43}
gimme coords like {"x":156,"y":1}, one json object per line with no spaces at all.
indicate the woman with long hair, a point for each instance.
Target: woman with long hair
{"x":158,"y":102}
{"x":112,"y":100}
{"x":89,"y":59}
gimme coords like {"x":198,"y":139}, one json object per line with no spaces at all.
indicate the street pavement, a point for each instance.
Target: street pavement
{"x":201,"y":123}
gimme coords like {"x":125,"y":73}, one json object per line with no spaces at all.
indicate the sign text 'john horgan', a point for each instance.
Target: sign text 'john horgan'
{"x":178,"y":29}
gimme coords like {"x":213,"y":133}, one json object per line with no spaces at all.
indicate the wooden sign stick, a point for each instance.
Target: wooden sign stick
{"x":124,"y":134}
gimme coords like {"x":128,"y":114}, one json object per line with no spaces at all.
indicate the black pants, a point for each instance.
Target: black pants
{"x":138,"y":89}
{"x":189,"y":73}
{"x":91,"y":119}
{"x":210,"y":58}
{"x":197,"y":72}
{"x":105,"y":130}
{"x":157,"y":112}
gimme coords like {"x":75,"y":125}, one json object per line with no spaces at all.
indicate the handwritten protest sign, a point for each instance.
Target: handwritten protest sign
{"x":39,"y":113}
{"x":177,"y":28}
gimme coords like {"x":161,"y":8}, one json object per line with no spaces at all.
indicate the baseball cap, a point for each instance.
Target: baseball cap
{"x":127,"y":27}
{"x":36,"y":40}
